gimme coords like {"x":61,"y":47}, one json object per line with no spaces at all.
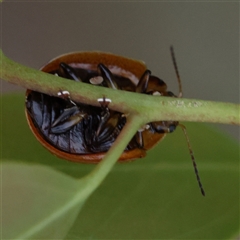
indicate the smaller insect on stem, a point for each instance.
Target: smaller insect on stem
{"x":193,"y":159}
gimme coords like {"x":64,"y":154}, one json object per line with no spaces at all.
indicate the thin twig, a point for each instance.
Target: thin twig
{"x":149,"y":108}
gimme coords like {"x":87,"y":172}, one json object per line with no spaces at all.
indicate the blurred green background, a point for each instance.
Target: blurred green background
{"x":155,"y":197}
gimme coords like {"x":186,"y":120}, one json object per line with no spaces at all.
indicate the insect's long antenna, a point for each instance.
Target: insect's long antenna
{"x":193,"y":159}
{"x":177,"y":73}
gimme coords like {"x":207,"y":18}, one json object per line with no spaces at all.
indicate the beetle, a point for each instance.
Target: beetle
{"x":82,"y":133}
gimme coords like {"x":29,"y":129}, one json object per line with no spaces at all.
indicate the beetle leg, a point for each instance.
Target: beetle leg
{"x":66,"y":125}
{"x":139,"y":135}
{"x":107,"y":76}
{"x":104,"y":118}
{"x":106,"y":126}
{"x":104,"y":102}
{"x":143,"y":82}
{"x":68,"y":119}
{"x":139,"y":139}
{"x":111,"y":128}
{"x":66,"y":96}
{"x":105,"y":114}
{"x":69,"y":71}
{"x":163,"y":126}
{"x":65,"y":115}
{"x":88,"y":130}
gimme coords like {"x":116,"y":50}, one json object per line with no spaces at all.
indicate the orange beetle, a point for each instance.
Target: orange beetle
{"x":83,"y":133}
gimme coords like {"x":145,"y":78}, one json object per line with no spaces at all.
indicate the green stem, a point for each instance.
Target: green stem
{"x":94,"y":178}
{"x":149,"y":108}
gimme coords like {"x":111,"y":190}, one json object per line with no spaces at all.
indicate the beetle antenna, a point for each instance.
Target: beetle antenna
{"x":176,"y":71}
{"x":193,"y":159}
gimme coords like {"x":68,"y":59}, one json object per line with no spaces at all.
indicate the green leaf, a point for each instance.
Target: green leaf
{"x":152,"y":198}
{"x":37,"y":202}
